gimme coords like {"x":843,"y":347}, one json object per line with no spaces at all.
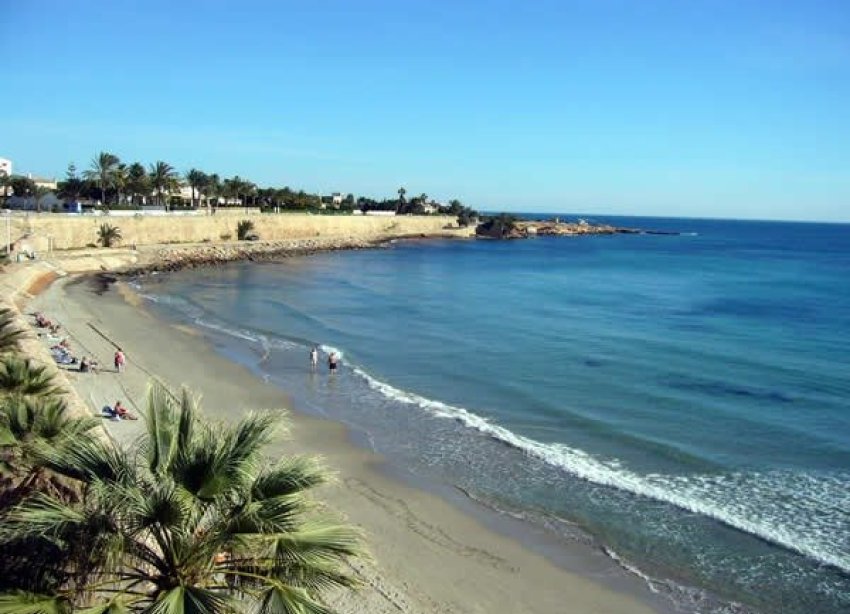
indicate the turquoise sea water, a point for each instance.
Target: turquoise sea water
{"x":684,"y":400}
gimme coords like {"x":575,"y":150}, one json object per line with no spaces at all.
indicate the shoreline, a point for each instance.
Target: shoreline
{"x":449,"y":542}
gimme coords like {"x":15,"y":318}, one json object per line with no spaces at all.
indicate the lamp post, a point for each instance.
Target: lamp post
{"x":9,"y":233}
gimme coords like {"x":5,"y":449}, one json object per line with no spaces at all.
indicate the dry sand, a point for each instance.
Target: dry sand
{"x":428,"y":556}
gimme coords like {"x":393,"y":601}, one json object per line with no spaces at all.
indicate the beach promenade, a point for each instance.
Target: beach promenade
{"x":428,"y":556}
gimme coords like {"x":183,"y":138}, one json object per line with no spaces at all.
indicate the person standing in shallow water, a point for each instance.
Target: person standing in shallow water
{"x":314,"y":358}
{"x":332,"y":362}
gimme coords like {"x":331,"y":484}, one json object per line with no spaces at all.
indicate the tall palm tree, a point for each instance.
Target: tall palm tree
{"x":197,"y":521}
{"x":196,"y":180}
{"x":162,"y":178}
{"x":10,"y":332}
{"x":213,"y":188}
{"x":102,"y":172}
{"x":237,"y":187}
{"x":120,"y":179}
{"x":138,"y":182}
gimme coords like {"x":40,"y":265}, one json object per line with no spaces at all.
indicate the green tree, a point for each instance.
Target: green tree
{"x":213,"y":188}
{"x":108,"y":235}
{"x":102,"y":172}
{"x":120,"y":180}
{"x":138,"y":183}
{"x":72,"y":186}
{"x":194,"y":519}
{"x":196,"y":180}
{"x":32,"y":429}
{"x":163,"y":178}
{"x":243,"y":228}
{"x":22,"y":186}
{"x":238,"y":188}
{"x":10,"y":332}
{"x":20,"y":376}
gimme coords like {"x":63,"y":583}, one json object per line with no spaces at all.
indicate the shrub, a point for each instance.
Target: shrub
{"x":108,"y":235}
{"x":225,"y":236}
{"x":243,"y":228}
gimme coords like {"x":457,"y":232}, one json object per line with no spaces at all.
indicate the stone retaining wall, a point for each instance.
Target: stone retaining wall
{"x":61,"y":232}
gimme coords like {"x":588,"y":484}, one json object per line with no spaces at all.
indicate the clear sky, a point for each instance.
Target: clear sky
{"x":706,"y":108}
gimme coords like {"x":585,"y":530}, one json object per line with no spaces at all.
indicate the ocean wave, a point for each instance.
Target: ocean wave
{"x":758,"y":503}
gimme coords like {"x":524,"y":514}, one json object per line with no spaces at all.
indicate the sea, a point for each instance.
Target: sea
{"x":681,"y":401}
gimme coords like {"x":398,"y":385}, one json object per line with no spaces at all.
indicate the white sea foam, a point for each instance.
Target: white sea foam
{"x":762,"y":504}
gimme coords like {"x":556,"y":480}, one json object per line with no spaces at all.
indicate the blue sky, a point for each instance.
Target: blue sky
{"x":683,"y":107}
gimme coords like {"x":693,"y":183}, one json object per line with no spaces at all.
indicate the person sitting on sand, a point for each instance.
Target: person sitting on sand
{"x":85,"y":367}
{"x":121,"y":412}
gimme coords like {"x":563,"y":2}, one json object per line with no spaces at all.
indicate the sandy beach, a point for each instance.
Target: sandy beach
{"x":427,"y":555}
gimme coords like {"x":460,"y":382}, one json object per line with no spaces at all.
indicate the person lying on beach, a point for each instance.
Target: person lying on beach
{"x":119,"y":412}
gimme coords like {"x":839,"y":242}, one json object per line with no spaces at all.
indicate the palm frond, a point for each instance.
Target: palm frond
{"x":40,"y":516}
{"x":10,"y":332}
{"x":291,"y":475}
{"x":282,"y":599}
{"x":21,"y":376}
{"x":91,"y":459}
{"x":160,"y":422}
{"x":117,"y":605}
{"x":31,"y":603}
{"x":190,"y":600}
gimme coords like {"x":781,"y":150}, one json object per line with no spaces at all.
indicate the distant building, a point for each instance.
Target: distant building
{"x":43,"y":182}
{"x":5,"y":166}
{"x":334,"y":200}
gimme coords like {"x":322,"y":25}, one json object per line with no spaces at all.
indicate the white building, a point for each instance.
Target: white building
{"x":5,"y":166}
{"x":43,"y":182}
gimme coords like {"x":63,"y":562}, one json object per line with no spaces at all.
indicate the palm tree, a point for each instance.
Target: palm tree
{"x":238,"y":187}
{"x":21,"y":377}
{"x":196,"y":521}
{"x":120,"y":179}
{"x":108,"y":235}
{"x":213,"y":188}
{"x":196,"y":181}
{"x":38,"y":194}
{"x":102,"y":172}
{"x":10,"y":332}
{"x":138,"y":182}
{"x":31,"y":429}
{"x":162,"y":178}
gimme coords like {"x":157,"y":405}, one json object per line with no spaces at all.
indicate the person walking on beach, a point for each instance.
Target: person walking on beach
{"x":314,"y":357}
{"x":332,"y":362}
{"x":120,"y":359}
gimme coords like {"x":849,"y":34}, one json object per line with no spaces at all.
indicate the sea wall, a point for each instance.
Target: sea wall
{"x":62,"y":231}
